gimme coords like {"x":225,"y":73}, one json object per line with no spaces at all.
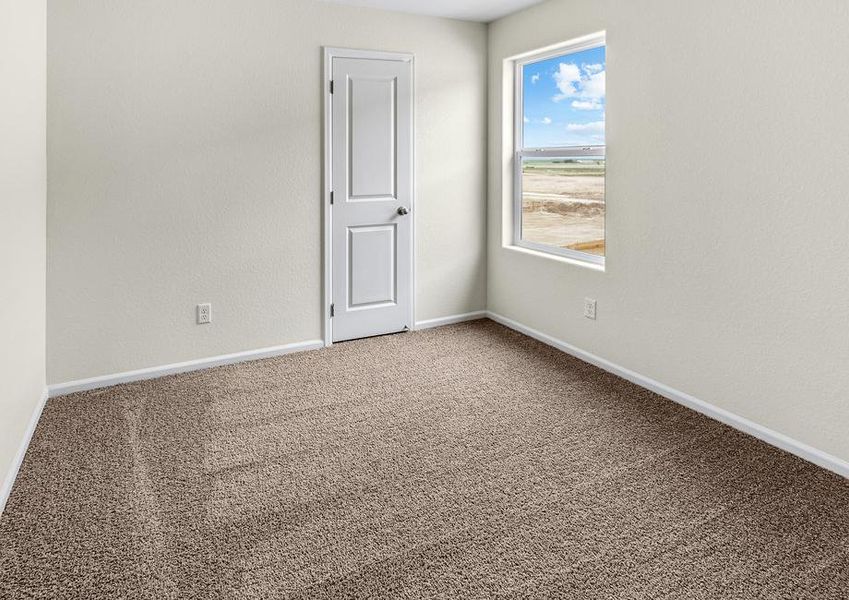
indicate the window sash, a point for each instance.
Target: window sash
{"x":564,"y":152}
{"x":517,"y":200}
{"x":589,"y":42}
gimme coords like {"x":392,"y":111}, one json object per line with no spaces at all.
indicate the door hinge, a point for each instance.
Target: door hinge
{"x":331,"y":86}
{"x":331,"y":197}
{"x":332,"y":311}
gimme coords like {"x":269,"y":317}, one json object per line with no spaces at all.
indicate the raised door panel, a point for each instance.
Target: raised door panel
{"x":372,"y":264}
{"x":372,"y":137}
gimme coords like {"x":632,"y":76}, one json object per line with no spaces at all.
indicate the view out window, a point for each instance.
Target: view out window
{"x":560,"y":151}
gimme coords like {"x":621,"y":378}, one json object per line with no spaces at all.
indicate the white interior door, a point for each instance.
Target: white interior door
{"x":372,"y":196}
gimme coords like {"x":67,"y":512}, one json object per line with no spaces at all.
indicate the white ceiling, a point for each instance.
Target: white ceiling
{"x":469,"y":10}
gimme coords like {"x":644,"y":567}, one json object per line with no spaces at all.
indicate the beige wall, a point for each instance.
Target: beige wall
{"x":22,"y":222}
{"x":184,"y":155}
{"x":728,"y":212}
{"x":184,"y":166}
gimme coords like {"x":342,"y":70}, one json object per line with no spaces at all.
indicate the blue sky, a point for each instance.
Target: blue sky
{"x":564,"y":100}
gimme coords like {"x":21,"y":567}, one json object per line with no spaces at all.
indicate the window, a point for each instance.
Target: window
{"x":559,"y":160}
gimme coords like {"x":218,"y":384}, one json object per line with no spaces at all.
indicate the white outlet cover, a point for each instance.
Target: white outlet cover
{"x":589,"y":308}
{"x":204,"y":313}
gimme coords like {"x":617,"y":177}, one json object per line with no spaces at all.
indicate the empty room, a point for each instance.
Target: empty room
{"x":424,"y":299}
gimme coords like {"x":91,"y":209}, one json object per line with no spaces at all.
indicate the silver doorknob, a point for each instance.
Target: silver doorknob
{"x":402,"y":210}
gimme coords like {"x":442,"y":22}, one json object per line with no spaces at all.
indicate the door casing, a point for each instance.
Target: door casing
{"x":327,"y":176}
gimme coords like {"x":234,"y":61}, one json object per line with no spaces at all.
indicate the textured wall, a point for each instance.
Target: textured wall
{"x":728,"y":255}
{"x":22,"y":219}
{"x":184,"y":166}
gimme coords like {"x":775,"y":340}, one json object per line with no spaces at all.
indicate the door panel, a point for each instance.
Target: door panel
{"x":371,"y":179}
{"x":372,"y":265}
{"x":372,"y":136}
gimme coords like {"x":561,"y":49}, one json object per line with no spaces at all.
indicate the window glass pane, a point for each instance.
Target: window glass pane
{"x":563,"y":202}
{"x":563,"y":100}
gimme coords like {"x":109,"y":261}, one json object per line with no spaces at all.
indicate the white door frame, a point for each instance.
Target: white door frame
{"x":329,"y":54}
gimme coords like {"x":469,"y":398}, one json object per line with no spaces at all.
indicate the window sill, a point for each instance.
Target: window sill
{"x":556,"y":258}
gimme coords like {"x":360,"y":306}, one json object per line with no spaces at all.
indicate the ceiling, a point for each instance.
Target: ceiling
{"x":469,"y":10}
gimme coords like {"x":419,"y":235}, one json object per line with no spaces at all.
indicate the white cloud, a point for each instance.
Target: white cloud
{"x":587,"y":84}
{"x":567,"y":78}
{"x":527,"y":120}
{"x":546,"y":121}
{"x":586,"y":105}
{"x":592,"y":127}
{"x":534,"y":77}
{"x":594,"y":86}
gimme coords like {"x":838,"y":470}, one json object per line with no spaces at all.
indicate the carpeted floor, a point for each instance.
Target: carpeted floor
{"x":461,"y":462}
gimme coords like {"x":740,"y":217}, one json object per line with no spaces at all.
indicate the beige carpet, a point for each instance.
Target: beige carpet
{"x":462,"y":462}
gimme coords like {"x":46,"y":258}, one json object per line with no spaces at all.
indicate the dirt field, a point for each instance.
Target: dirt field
{"x":563,"y":204}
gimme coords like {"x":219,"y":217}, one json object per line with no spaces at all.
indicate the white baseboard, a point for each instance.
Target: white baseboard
{"x":80,"y":385}
{"x":774,"y":438}
{"x":450,"y":320}
{"x":12,"y":474}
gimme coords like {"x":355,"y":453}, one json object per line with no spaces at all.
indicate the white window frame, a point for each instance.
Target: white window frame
{"x":520,"y":152}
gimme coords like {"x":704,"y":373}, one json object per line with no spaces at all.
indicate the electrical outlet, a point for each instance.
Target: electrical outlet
{"x":589,"y":308}
{"x":204,"y":313}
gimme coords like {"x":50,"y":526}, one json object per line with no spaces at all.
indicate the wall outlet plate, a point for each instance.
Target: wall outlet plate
{"x":204,"y":313}
{"x":589,"y":308}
